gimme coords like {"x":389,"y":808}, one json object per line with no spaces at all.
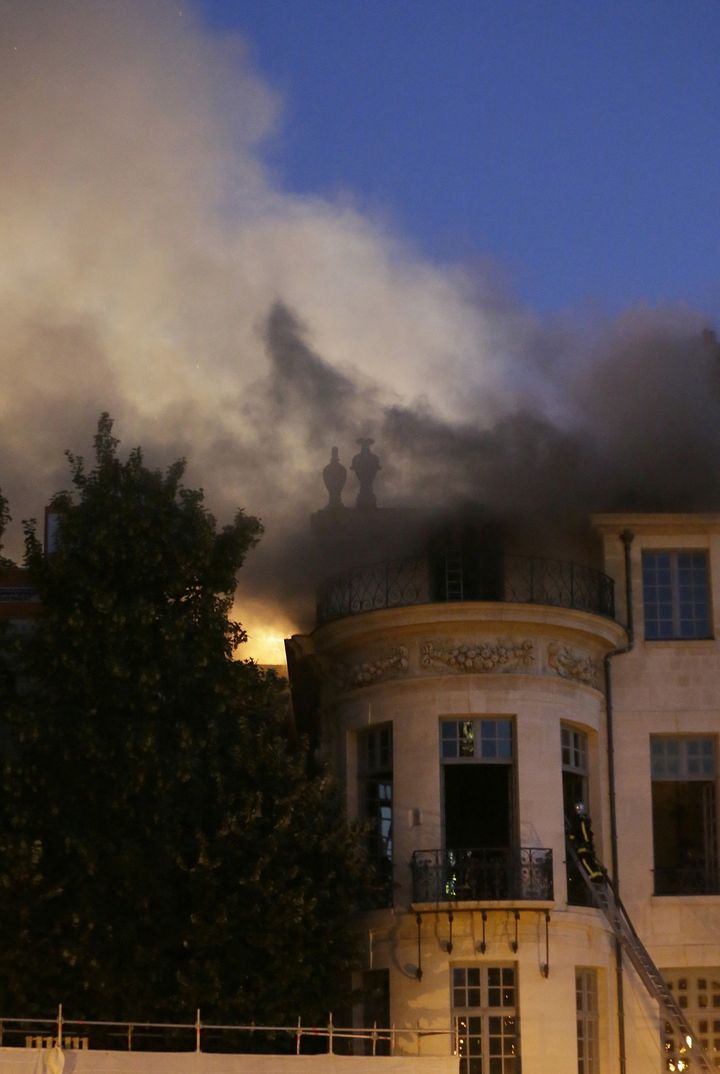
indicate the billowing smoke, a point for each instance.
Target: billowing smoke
{"x":154,"y":267}
{"x":624,"y":421}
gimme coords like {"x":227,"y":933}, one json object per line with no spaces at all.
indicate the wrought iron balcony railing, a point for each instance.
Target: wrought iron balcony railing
{"x":517,"y":579}
{"x":483,"y":874}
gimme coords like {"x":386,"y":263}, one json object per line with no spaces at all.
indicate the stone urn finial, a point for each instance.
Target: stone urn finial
{"x":365,"y":465}
{"x":334,"y":476}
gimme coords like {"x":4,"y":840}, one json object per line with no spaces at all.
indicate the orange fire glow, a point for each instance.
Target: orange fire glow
{"x":267,"y":630}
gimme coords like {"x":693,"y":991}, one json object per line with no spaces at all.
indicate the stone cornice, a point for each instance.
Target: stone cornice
{"x":658,"y":523}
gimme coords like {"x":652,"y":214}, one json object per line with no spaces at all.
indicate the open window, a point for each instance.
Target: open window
{"x":478,"y":783}
{"x":574,"y":752}
{"x":479,"y":808}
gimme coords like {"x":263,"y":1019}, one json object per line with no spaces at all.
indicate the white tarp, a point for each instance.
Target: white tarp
{"x":50,"y":1061}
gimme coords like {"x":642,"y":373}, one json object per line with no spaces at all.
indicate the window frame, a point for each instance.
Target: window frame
{"x":578,"y":746}
{"x":496,"y":748}
{"x":483,"y":752}
{"x":685,"y":986}
{"x":479,"y":1022}
{"x":575,"y":774}
{"x":691,"y":764}
{"x":688,"y":626}
{"x":587,"y":1012}
{"x":692,"y":760}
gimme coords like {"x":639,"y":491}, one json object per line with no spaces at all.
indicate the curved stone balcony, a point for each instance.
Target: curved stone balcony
{"x":516,"y":579}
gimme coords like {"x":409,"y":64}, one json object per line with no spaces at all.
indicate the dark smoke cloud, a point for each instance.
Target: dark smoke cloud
{"x":153,"y":267}
{"x":637,"y":429}
{"x":640,"y":431}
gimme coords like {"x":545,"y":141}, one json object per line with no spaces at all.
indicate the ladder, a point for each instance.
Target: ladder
{"x":691,"y":1054}
{"x":454,"y":568}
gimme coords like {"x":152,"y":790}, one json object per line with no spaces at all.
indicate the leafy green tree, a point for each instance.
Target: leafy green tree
{"x":163,"y":848}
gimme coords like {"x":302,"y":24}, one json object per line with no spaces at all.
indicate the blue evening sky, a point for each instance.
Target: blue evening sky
{"x":576,"y":143}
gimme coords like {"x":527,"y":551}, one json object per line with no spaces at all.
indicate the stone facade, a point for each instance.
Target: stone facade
{"x":473,"y":724}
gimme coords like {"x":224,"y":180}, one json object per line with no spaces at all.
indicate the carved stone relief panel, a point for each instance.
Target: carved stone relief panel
{"x":496,"y":656}
{"x":574,"y":664}
{"x":388,"y":664}
{"x":504,"y":655}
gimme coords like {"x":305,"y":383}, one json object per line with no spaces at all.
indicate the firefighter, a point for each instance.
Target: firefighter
{"x":581,"y":837}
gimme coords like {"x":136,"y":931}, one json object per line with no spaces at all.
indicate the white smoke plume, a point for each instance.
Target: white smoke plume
{"x":154,"y":267}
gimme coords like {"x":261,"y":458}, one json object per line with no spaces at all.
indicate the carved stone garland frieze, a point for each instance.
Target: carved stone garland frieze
{"x":503,"y":655}
{"x":573,"y":664}
{"x":372,"y":670}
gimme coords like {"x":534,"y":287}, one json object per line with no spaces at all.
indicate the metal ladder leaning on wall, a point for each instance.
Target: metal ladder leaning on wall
{"x":605,"y":898}
{"x":454,"y":571}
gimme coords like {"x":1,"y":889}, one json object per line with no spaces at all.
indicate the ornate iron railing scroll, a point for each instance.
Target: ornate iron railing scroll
{"x":524,"y":579}
{"x":483,"y":874}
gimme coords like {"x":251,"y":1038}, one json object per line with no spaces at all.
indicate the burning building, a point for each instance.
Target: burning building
{"x":474,"y":697}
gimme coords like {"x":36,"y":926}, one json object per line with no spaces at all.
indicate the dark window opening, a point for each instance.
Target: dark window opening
{"x":574,"y":747}
{"x":466,"y":563}
{"x":479,"y":792}
{"x":479,"y":808}
{"x":684,"y":814}
{"x":375,"y":756}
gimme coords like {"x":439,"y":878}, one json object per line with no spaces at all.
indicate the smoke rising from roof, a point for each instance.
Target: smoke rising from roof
{"x":155,"y":268}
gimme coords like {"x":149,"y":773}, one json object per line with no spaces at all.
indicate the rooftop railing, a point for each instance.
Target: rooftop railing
{"x":483,"y":874}
{"x":400,"y":583}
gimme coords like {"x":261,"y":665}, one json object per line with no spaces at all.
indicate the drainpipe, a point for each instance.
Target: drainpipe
{"x":627,"y":538}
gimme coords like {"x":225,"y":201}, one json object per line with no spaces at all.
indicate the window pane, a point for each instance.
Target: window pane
{"x":481,"y":739}
{"x":675,"y":595}
{"x":496,"y":739}
{"x":467,"y":738}
{"x":484,"y":1033}
{"x":694,"y":988}
{"x":588,"y":1030}
{"x":449,"y":732}
{"x":679,"y":757}
{"x":575,"y":750}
